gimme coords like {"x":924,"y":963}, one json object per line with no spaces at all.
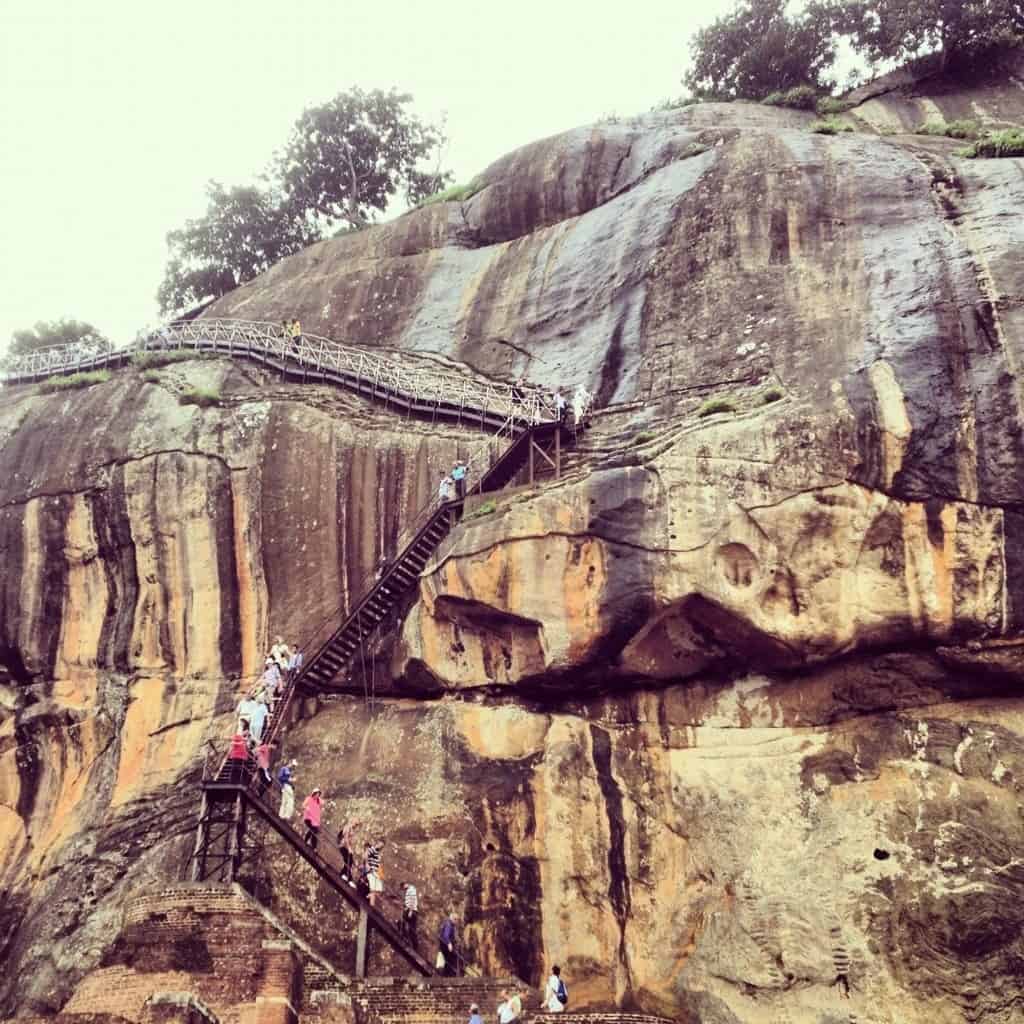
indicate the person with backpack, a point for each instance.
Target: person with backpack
{"x":556,"y":995}
{"x":446,"y":940}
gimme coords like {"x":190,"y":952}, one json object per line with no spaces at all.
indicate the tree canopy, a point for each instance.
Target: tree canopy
{"x":760,"y":48}
{"x":959,"y":30}
{"x":353,"y":154}
{"x":344,"y":160}
{"x":245,"y":230}
{"x":764,"y":46}
{"x":47,"y":333}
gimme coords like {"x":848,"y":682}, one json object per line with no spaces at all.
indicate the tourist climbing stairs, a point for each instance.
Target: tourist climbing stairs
{"x":518,"y":419}
{"x":221,"y":850}
{"x":329,"y":662}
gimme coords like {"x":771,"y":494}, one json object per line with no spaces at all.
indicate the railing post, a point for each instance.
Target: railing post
{"x":362,"y":937}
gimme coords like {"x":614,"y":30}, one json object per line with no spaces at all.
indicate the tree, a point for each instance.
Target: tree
{"x":46,"y":334}
{"x":244,"y":231}
{"x":758,"y":48}
{"x":959,"y":30}
{"x":353,"y":154}
{"x":344,"y":160}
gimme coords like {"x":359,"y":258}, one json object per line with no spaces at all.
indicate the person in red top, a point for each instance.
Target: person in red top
{"x":238,"y":755}
{"x":312,"y":813}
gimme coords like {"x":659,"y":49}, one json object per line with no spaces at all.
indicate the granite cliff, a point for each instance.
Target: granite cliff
{"x":728,"y":720}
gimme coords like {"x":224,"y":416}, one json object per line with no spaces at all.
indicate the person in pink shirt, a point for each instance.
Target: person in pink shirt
{"x":312,"y":814}
{"x":238,"y":756}
{"x":263,"y":764}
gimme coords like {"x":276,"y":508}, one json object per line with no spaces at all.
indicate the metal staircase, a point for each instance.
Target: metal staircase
{"x":233,"y":795}
{"x":221,"y":850}
{"x":331,"y":659}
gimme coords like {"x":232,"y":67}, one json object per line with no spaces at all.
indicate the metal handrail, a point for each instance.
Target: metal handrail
{"x":482,"y":456}
{"x":427,"y":387}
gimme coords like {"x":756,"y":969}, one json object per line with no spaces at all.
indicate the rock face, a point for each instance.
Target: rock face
{"x":727,"y":721}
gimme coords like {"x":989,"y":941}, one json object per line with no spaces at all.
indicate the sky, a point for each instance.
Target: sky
{"x":115,"y":114}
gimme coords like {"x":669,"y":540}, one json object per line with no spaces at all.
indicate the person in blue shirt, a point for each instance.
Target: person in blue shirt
{"x":446,"y":941}
{"x":285,"y":778}
{"x":474,"y":1015}
{"x":458,"y":474}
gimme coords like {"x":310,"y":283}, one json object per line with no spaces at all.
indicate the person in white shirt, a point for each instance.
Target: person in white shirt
{"x":551,"y":1001}
{"x":505,"y":1013}
{"x":410,"y":912}
{"x":280,"y":653}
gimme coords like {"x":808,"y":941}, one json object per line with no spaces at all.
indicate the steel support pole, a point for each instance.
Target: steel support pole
{"x":362,"y":940}
{"x":199,"y":850}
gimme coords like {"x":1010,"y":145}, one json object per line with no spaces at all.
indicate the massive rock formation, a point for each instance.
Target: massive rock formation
{"x":727,"y":721}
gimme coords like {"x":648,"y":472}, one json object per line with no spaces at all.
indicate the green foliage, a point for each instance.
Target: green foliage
{"x":485,"y":509}
{"x":352,"y":154}
{"x":959,"y":31}
{"x":766,"y":47}
{"x":145,"y":360}
{"x":713,"y":405}
{"x":643,"y":437}
{"x":47,"y":333}
{"x":832,"y":105}
{"x":343,"y":160}
{"x":969,"y":130}
{"x":74,"y":381}
{"x":151,"y":377}
{"x":243,"y":232}
{"x":830,"y":126}
{"x":760,"y":48}
{"x":800,"y":97}
{"x":675,"y":104}
{"x":772,"y":395}
{"x":1009,"y":142}
{"x":454,"y":194}
{"x":203,"y":397}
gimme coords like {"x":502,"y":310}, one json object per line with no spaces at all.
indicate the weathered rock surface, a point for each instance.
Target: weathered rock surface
{"x":728,"y":721}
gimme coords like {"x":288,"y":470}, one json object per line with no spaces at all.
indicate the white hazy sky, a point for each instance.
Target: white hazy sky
{"x":113,"y":114}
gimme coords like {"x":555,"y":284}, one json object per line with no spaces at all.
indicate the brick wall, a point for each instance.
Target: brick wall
{"x":207,"y":941}
{"x":176,"y":1008}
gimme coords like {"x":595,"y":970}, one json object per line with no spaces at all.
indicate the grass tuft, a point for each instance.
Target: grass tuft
{"x":830,"y":126}
{"x":644,"y":436}
{"x":148,"y":360}
{"x":454,"y":193}
{"x":800,"y":97}
{"x":74,"y":381}
{"x":485,"y":509}
{"x":828,"y":105}
{"x":151,"y":376}
{"x":713,"y":405}
{"x":1007,"y":143}
{"x":772,"y":395}
{"x":968,"y":130}
{"x":203,"y":397}
{"x":676,"y":104}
